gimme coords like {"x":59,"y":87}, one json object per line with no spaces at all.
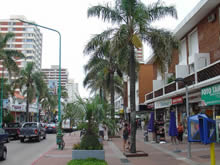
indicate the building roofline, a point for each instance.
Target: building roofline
{"x":195,"y":16}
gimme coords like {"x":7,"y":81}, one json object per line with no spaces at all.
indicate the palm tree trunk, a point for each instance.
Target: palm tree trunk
{"x":27,"y":108}
{"x":112,"y":89}
{"x":132,"y":99}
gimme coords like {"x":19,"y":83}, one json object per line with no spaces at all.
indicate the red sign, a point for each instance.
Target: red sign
{"x":177,"y":100}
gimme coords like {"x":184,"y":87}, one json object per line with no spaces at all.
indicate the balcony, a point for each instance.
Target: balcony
{"x":206,"y":73}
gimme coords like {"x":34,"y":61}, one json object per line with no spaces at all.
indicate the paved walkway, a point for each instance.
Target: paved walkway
{"x":159,"y":154}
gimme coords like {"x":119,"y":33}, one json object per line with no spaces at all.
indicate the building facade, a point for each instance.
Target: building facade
{"x":52,"y":77}
{"x":197,"y":63}
{"x":72,"y":90}
{"x":28,"y":40}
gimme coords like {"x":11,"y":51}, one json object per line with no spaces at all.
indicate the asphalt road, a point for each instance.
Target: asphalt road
{"x":26,"y":153}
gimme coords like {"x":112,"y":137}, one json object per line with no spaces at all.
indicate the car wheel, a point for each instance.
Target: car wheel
{"x":22,"y":140}
{"x":38,"y":138}
{"x":4,"y":154}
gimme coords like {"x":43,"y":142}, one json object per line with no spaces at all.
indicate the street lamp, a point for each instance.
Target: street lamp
{"x":187,"y":112}
{"x":59,"y":89}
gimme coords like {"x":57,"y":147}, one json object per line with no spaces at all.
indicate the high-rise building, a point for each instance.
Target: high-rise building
{"x":28,"y":40}
{"x":139,"y":55}
{"x":72,"y":89}
{"x":52,"y":76}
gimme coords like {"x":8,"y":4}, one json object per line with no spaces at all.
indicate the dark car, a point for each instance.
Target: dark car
{"x":32,"y":130}
{"x":13,"y":130}
{"x":51,"y":128}
{"x":3,"y":150}
{"x":4,"y":136}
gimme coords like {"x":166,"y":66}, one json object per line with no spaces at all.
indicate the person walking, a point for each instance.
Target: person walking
{"x":101,"y":131}
{"x":180,"y":131}
{"x":125,"y":135}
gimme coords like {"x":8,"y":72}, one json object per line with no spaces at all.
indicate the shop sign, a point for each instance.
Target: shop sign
{"x":150,"y":106}
{"x":177,"y":100}
{"x":211,"y":95}
{"x":163,"y":104}
{"x":18,"y":108}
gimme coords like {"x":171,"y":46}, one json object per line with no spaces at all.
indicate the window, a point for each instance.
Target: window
{"x":183,"y":53}
{"x":193,"y":45}
{"x":27,"y":46}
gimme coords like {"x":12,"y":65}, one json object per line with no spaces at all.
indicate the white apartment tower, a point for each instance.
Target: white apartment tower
{"x":52,"y":75}
{"x":28,"y":40}
{"x":72,"y":89}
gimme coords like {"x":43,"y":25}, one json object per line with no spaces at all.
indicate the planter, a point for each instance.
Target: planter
{"x":84,"y":154}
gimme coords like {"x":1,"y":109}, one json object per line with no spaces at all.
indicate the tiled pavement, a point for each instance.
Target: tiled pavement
{"x":159,"y":154}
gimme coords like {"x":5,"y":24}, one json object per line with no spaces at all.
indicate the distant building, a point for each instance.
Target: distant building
{"x":52,"y":77}
{"x":72,"y":89}
{"x":28,"y":40}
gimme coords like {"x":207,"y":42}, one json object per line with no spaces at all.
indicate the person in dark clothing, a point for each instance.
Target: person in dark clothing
{"x":125,"y":135}
{"x":180,"y":131}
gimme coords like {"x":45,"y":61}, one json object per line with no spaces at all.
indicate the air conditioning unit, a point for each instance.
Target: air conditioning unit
{"x":211,"y":18}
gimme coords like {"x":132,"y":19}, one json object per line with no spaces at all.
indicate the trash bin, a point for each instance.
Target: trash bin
{"x":146,"y":136}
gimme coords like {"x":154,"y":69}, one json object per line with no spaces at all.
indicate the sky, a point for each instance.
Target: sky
{"x":69,"y":17}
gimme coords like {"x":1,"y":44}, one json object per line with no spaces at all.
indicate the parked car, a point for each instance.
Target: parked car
{"x":13,"y":130}
{"x":32,"y":130}
{"x":51,"y":128}
{"x":3,"y":150}
{"x":4,"y":136}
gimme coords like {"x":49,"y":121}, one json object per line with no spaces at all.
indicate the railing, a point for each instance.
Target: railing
{"x":149,"y":96}
{"x":203,"y":74}
{"x":158,"y":92}
{"x":170,"y":87}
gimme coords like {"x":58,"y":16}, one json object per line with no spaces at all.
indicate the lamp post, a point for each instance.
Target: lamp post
{"x":187,"y":113}
{"x":59,"y":88}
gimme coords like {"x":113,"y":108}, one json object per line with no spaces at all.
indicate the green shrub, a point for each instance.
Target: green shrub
{"x":90,"y":142}
{"x":89,"y":161}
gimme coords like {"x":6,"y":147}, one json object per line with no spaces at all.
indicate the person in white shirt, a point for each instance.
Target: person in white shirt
{"x":101,"y":131}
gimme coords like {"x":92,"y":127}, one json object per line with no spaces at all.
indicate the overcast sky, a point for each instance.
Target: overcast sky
{"x":70,"y":18}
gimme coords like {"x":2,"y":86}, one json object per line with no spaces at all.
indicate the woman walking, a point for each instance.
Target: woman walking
{"x":125,"y":135}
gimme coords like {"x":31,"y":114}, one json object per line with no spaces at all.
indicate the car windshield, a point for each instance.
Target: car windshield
{"x":13,"y":125}
{"x":30,"y":125}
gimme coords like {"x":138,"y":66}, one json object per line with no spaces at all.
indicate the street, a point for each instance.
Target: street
{"x":26,"y":153}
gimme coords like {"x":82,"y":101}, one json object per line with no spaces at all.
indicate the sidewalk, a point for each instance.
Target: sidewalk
{"x":59,"y":157}
{"x":159,"y":154}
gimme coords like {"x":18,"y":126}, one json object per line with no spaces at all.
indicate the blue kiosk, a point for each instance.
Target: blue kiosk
{"x":203,"y":129}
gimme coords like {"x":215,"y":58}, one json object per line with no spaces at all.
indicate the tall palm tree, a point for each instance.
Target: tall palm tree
{"x":133,"y":20}
{"x":103,"y":58}
{"x":27,"y":83}
{"x":8,"y":60}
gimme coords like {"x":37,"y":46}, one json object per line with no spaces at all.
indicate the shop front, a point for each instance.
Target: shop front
{"x":162,"y":109}
{"x":210,"y":104}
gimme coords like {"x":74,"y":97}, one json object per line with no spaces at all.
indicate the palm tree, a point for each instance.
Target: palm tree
{"x":27,"y":82}
{"x":134,"y":24}
{"x":103,"y":59}
{"x":8,"y":59}
{"x":8,"y":56}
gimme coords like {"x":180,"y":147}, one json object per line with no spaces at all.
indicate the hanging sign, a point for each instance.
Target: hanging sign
{"x":210,"y":95}
{"x":177,"y":100}
{"x":163,"y":103}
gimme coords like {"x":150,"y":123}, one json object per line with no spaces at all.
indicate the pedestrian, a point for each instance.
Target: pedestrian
{"x":180,"y":131}
{"x":105,"y":132}
{"x":125,"y":135}
{"x":142,"y":124}
{"x":101,"y":131}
